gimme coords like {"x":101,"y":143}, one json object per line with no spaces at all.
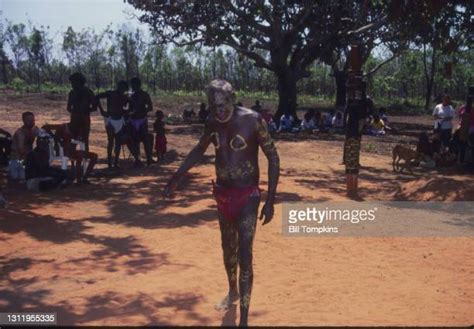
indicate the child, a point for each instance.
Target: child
{"x":338,"y":121}
{"x":286,"y":123}
{"x":328,"y":118}
{"x":308,"y":123}
{"x":160,"y":138}
{"x":268,"y":117}
{"x":377,"y":126}
{"x":383,"y":115}
{"x":319,"y":122}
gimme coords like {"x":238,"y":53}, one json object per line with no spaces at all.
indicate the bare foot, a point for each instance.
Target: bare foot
{"x":227,"y":302}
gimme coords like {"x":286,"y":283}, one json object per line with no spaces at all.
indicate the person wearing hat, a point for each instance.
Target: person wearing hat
{"x":81,"y":102}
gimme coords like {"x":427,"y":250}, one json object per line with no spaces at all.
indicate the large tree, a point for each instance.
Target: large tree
{"x":438,"y":28}
{"x":283,"y":36}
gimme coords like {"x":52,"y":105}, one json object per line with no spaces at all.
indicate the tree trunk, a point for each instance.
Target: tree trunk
{"x":340,"y":78}
{"x":429,"y":76}
{"x":286,"y":93}
{"x":4,"y":60}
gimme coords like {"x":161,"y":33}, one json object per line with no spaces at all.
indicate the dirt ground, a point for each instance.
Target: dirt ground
{"x":114,"y":252}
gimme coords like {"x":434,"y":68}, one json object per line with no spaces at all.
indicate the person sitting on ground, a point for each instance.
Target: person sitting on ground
{"x":64,"y":136}
{"x":425,"y":148}
{"x":456,"y":146}
{"x":376,"y":127}
{"x":268,"y":117}
{"x":203,"y":113}
{"x":188,"y":115}
{"x":160,"y":137}
{"x":39,"y":174}
{"x":441,"y":155}
{"x":114,"y":119}
{"x":424,"y":145}
{"x":308,"y":123}
{"x":327,"y":119}
{"x":5,"y":147}
{"x":257,"y":107}
{"x":22,"y":143}
{"x":338,"y":121}
{"x":319,"y":122}
{"x":286,"y":123}
{"x":383,"y":115}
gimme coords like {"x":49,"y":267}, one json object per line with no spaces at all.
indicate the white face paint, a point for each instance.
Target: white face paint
{"x":221,"y":105}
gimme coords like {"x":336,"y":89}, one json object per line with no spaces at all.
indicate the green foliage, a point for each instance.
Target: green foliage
{"x":18,"y":85}
{"x":28,"y":63}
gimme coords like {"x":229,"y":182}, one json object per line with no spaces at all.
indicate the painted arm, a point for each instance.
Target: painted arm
{"x":191,"y":160}
{"x":266,"y":143}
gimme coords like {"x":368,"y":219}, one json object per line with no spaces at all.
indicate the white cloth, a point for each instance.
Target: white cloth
{"x":116,"y":124}
{"x":308,"y":125}
{"x":443,"y":112}
{"x":286,"y":122}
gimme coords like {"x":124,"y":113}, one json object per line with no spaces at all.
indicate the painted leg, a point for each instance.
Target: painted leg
{"x":110,"y":146}
{"x":247,"y":226}
{"x":92,"y":161}
{"x":118,"y":146}
{"x":229,"y":248}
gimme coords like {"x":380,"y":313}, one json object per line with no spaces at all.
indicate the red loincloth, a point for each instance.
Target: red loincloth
{"x":230,"y":201}
{"x":160,"y":144}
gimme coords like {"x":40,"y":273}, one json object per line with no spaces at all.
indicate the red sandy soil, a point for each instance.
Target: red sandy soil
{"x":116,"y":253}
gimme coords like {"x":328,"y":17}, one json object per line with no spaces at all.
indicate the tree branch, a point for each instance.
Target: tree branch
{"x":375,"y":69}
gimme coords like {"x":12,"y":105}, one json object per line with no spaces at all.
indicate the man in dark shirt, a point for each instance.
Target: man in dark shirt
{"x":140,"y":105}
{"x":80,"y":104}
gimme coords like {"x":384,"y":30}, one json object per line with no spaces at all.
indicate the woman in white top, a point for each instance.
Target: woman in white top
{"x":444,"y":114}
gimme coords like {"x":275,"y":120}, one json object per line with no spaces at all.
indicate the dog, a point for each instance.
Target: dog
{"x":411,"y":158}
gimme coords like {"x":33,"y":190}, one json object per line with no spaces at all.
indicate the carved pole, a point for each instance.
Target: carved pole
{"x":355,"y":119}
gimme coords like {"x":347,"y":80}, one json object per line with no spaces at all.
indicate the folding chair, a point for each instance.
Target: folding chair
{"x":60,"y":157}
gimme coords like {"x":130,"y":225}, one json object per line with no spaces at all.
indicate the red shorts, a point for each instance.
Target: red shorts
{"x":160,"y":144}
{"x":230,"y":201}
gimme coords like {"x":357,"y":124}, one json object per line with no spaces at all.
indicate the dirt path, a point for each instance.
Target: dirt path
{"x":115,"y":253}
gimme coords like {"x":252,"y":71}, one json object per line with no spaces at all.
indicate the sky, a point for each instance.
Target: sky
{"x":80,"y":14}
